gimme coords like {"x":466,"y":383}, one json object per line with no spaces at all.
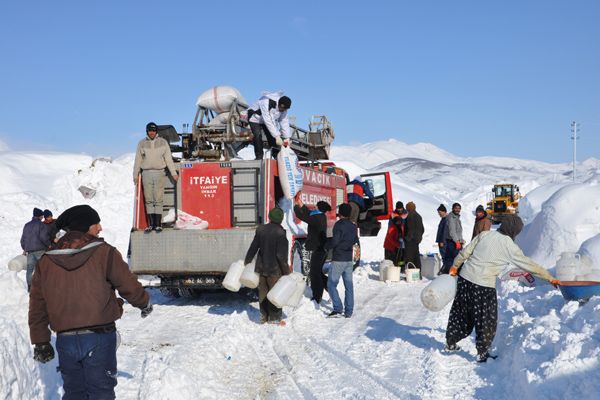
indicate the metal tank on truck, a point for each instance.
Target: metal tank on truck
{"x":211,"y":213}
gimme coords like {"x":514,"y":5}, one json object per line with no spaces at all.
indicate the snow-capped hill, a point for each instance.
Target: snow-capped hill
{"x":377,"y":153}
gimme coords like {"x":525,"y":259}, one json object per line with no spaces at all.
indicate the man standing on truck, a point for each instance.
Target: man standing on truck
{"x":271,"y":244}
{"x":269,"y":115}
{"x":152,"y":157}
{"x":73,"y":292}
{"x":315,"y":243}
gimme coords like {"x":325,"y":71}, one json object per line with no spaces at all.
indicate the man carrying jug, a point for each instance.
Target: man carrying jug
{"x":271,"y":244}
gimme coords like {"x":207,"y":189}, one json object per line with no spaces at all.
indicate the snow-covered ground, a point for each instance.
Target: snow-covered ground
{"x":213,"y":347}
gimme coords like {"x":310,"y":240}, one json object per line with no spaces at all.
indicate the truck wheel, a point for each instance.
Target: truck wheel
{"x":188,"y":293}
{"x":169,"y":292}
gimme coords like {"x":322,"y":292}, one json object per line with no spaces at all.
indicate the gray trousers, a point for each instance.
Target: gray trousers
{"x":32,"y":259}
{"x":153,"y":181}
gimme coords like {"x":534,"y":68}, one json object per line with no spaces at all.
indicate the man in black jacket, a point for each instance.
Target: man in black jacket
{"x":34,"y":242}
{"x":413,"y":235}
{"x":345,"y":236}
{"x":315,"y":243}
{"x":271,"y":244}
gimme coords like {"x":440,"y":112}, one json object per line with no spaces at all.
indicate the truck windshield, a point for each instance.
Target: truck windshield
{"x":376,"y":184}
{"x":503,"y":191}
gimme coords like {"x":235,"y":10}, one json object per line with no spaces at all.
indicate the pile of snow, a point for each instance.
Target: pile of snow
{"x":568,"y":218}
{"x":213,"y":347}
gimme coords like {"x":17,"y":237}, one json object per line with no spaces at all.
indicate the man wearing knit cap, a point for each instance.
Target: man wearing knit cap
{"x":34,"y":241}
{"x":73,"y":294}
{"x":482,"y":222}
{"x":345,"y":236}
{"x":316,"y":221}
{"x":271,"y":244}
{"x":152,"y":158}
{"x":413,"y":235}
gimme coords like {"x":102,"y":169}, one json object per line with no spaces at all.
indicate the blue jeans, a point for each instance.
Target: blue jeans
{"x":88,"y":365}
{"x":32,"y":259}
{"x":341,"y":269}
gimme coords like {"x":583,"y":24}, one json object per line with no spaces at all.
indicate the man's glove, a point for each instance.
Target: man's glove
{"x":458,"y":245}
{"x":146,"y":310}
{"x":43,"y":352}
{"x":278,"y":141}
{"x":453,"y":270}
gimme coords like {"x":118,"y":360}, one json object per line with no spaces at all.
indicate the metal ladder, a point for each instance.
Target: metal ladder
{"x":245,"y":199}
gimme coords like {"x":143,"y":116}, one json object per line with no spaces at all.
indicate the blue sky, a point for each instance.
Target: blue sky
{"x":474,"y":78}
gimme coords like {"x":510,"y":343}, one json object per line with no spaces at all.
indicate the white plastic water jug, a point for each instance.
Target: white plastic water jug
{"x":430,"y":265}
{"x":412,"y":274}
{"x":295,"y":298}
{"x":249,"y":278}
{"x":280,"y":294}
{"x":19,"y":263}
{"x":439,"y":292}
{"x":232,"y":278}
{"x":567,"y":266}
{"x":392,"y":273}
{"x":383,"y":266}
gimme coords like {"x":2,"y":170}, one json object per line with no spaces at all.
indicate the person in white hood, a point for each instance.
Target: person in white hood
{"x":269,"y":115}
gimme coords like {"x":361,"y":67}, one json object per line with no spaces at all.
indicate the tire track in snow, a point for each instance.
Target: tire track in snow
{"x":326,"y":373}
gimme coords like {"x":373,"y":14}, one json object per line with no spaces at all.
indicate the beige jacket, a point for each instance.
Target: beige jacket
{"x":487,"y":256}
{"x":153,"y":154}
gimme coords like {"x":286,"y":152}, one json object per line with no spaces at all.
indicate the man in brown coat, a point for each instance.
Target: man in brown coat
{"x":271,"y":244}
{"x":482,"y":222}
{"x":73,"y":292}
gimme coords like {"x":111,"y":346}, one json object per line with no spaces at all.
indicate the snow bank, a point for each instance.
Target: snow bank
{"x":568,"y":218}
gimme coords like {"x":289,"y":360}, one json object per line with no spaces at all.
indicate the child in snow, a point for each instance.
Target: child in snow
{"x":475,"y":304}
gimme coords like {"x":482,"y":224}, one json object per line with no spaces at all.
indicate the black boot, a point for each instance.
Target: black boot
{"x":150,"y":224}
{"x":158,"y":223}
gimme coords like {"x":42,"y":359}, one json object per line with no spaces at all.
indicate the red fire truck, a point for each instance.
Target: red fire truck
{"x":232,"y":197}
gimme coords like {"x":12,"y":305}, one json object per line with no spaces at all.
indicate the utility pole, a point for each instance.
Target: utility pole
{"x":574,"y":137}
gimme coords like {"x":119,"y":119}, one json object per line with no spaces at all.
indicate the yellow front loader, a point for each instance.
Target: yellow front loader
{"x":503,"y":201}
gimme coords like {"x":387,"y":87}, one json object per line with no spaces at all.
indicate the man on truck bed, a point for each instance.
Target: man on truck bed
{"x":152,"y":157}
{"x":269,"y":115}
{"x":271,"y":244}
